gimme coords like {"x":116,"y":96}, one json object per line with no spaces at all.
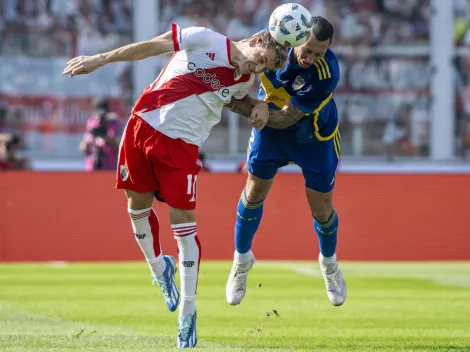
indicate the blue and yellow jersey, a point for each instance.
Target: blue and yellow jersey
{"x":310,"y":90}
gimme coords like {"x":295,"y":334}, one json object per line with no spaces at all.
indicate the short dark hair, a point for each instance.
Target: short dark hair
{"x":266,"y":40}
{"x":322,"y":29}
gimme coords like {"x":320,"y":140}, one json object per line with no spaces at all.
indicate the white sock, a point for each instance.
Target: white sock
{"x":147,"y":234}
{"x":243,"y":258}
{"x":189,"y":251}
{"x":327,"y":260}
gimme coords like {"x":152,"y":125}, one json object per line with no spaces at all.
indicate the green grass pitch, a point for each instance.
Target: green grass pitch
{"x":113,"y":307}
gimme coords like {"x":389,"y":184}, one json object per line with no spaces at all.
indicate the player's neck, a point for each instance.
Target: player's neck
{"x":293,"y":57}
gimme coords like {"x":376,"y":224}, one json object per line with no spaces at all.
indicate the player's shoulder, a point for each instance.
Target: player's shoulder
{"x":332,"y":60}
{"x":327,"y":69}
{"x":202,"y":34}
{"x":202,"y":30}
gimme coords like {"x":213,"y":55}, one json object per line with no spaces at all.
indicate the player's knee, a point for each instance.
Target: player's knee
{"x":256,"y":189}
{"x":139,"y":201}
{"x":322,"y":216}
{"x":181,"y":216}
{"x":321,"y":204}
{"x":255,"y":196}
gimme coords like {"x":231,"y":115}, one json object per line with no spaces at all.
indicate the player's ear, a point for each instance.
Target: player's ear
{"x":254,"y":41}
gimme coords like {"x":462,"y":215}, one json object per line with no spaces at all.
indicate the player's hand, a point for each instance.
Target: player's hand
{"x":82,"y":65}
{"x":259,"y":115}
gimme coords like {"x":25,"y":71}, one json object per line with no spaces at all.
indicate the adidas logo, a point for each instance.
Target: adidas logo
{"x":211,"y":56}
{"x":297,"y":27}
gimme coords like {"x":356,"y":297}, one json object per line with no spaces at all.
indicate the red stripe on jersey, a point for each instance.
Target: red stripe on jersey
{"x":228,"y":53}
{"x":195,"y":83}
{"x":150,"y":87}
{"x":162,"y":71}
{"x":174,"y":34}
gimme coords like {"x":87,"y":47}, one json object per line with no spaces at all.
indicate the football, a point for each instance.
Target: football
{"x":290,"y":25}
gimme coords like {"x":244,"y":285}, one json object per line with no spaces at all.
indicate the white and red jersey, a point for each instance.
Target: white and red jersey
{"x":187,"y":98}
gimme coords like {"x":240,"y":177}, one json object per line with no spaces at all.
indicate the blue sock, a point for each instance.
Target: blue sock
{"x":327,"y":233}
{"x":248,"y":219}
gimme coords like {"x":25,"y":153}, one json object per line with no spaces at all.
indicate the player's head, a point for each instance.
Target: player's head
{"x":262,"y":53}
{"x":318,"y":43}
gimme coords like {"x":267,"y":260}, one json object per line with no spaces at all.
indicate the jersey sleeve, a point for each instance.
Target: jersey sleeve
{"x":245,"y":88}
{"x":190,"y":38}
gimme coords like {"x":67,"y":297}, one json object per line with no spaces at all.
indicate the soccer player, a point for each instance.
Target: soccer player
{"x":159,"y":149}
{"x":302,"y":128}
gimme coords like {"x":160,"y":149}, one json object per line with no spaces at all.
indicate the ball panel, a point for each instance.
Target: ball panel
{"x":290,"y":24}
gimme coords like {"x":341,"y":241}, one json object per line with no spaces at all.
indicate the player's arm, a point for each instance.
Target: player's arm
{"x":284,"y":118}
{"x":306,"y":101}
{"x":160,"y":45}
{"x":246,"y":107}
{"x":243,"y":106}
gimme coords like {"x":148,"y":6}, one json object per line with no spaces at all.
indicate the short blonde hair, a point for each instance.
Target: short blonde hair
{"x":265,"y":39}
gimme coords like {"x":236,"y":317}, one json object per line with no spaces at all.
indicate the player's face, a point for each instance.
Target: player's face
{"x":310,"y":52}
{"x":258,"y":59}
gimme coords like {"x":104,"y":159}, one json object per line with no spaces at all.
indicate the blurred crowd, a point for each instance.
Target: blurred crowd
{"x":50,"y":28}
{"x":63,"y":28}
{"x":356,"y":21}
{"x":386,"y":117}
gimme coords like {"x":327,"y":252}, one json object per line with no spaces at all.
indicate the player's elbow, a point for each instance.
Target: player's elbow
{"x":161,"y":45}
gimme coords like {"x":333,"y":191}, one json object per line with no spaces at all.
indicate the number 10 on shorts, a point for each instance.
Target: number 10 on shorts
{"x":192,"y":184}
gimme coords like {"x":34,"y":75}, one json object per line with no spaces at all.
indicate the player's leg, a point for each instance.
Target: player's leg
{"x":326,"y":227}
{"x":183,"y":224}
{"x":264,"y":158}
{"x":319,"y":173}
{"x":135,"y":176}
{"x":147,"y":233}
{"x":249,"y":213}
{"x":177,"y":173}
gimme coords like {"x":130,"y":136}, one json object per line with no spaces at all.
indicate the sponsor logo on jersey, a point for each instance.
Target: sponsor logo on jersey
{"x":211,"y":56}
{"x":209,"y":79}
{"x":140,"y":236}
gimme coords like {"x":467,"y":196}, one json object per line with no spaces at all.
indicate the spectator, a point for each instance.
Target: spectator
{"x":396,"y":137}
{"x":9,"y":159}
{"x":100,"y":142}
{"x":65,"y":28}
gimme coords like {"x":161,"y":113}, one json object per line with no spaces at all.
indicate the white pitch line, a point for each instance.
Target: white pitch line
{"x":305,"y":270}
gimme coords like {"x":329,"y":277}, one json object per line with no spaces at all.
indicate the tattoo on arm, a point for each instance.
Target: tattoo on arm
{"x":278,"y":119}
{"x":242,"y":106}
{"x":284,"y":118}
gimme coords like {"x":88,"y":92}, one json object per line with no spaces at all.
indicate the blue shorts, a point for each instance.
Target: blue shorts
{"x":270,"y":149}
